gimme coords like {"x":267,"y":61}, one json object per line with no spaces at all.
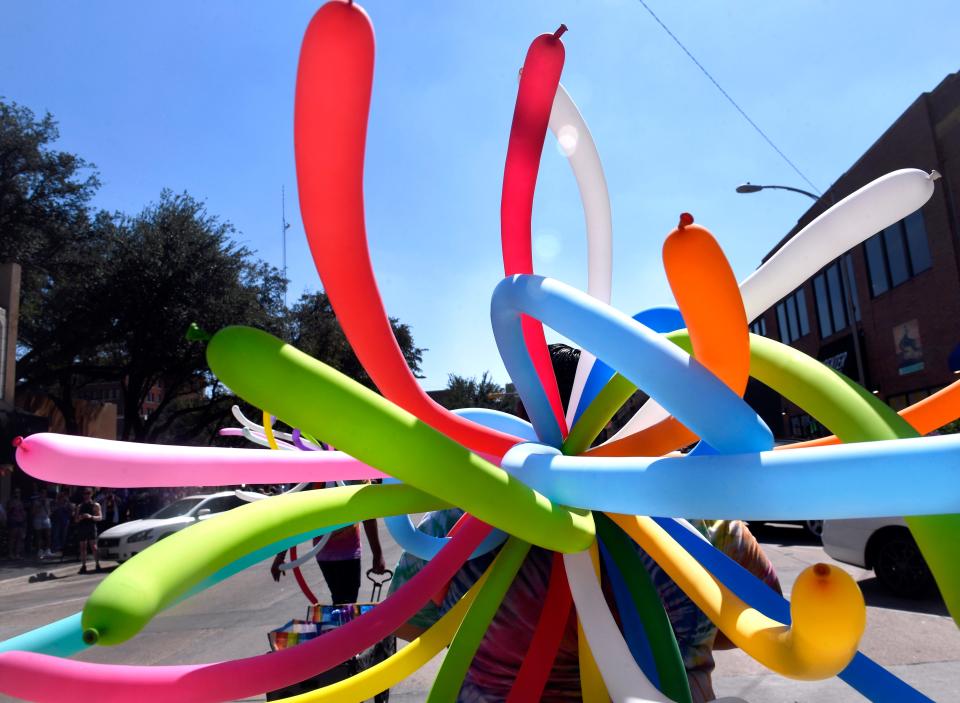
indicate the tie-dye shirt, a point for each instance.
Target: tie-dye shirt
{"x":508,"y":638}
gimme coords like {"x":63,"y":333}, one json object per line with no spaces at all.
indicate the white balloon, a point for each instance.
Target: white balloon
{"x":622,"y":675}
{"x":576,"y":142}
{"x":854,"y":219}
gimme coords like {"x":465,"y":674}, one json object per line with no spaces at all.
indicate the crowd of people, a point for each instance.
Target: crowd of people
{"x":47,"y":520}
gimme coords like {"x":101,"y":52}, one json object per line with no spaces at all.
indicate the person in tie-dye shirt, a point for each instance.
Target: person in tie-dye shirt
{"x":505,"y":644}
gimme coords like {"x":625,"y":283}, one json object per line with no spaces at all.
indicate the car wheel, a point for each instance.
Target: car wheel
{"x":899,"y":565}
{"x":814,"y":527}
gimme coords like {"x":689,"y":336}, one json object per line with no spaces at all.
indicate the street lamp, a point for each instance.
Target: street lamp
{"x":753,"y":188}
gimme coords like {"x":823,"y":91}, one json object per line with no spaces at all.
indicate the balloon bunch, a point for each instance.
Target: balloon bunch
{"x":542,"y":482}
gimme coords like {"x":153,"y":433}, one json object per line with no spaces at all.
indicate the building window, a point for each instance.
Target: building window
{"x":897,"y":254}
{"x":830,"y":294}
{"x":759,"y":327}
{"x":792,"y":317}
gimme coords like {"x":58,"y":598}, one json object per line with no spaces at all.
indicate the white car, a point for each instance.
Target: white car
{"x":128,"y":539}
{"x":885,"y":545}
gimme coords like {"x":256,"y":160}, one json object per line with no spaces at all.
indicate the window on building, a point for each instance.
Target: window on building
{"x":792,"y":317}
{"x":759,"y":327}
{"x":897,"y":254}
{"x":829,"y":292}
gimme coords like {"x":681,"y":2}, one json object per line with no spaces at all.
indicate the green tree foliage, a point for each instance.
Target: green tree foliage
{"x":313,"y":328}
{"x":44,"y":195}
{"x":483,"y":392}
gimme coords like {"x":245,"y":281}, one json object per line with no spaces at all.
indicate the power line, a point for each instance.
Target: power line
{"x":727,"y":96}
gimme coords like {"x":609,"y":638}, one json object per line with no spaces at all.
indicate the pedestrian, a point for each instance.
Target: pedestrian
{"x":40,"y":513}
{"x":60,"y":519}
{"x":339,"y":559}
{"x":16,"y":524}
{"x":88,"y":515}
{"x":110,"y":507}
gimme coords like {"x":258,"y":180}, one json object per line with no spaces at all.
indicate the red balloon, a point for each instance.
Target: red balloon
{"x":334,"y":80}
{"x":538,"y":85}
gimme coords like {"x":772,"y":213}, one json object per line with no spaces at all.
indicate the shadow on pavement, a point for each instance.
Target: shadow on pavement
{"x":877,"y":596}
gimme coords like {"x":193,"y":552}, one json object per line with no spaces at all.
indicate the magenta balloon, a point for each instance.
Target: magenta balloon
{"x":59,"y":458}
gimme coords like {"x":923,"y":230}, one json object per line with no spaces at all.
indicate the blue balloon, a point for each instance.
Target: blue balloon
{"x":660,"y":320}
{"x":682,"y":385}
{"x":915,"y":476}
{"x":863,"y":674}
{"x":633,"y":630}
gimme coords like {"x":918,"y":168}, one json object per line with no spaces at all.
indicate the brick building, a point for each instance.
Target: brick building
{"x":887,"y":312}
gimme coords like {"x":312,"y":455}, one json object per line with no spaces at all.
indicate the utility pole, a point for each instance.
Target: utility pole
{"x":286,"y":226}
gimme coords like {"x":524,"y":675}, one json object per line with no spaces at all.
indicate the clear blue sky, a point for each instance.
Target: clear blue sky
{"x":198,"y":96}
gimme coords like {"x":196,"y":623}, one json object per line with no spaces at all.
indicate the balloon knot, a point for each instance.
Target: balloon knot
{"x":821,"y":570}
{"x":685,"y":219}
{"x":17,"y":441}
{"x":196,"y":334}
{"x":560,"y":31}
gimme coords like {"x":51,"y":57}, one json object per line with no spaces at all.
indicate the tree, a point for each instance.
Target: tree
{"x":483,"y":392}
{"x":44,"y":193}
{"x":313,"y":328}
{"x":123,"y":317}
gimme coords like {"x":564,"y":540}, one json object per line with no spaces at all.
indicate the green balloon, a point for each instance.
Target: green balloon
{"x":465,"y":643}
{"x":839,"y":404}
{"x":306,"y":393}
{"x":646,"y":599}
{"x":131,"y":596}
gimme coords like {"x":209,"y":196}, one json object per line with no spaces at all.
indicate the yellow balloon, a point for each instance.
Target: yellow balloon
{"x":827,"y":608}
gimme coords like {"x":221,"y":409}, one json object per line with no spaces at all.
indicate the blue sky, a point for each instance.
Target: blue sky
{"x":199,"y":97}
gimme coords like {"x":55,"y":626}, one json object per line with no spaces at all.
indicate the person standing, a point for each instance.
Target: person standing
{"x":61,"y":518}
{"x":16,"y":524}
{"x":339,"y":560}
{"x":40,"y":512}
{"x":88,"y":515}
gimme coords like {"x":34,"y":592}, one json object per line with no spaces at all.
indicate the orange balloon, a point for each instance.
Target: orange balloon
{"x":924,"y":416}
{"x":709,"y":299}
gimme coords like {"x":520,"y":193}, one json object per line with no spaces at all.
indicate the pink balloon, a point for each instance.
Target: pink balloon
{"x":74,"y":460}
{"x":43,"y":678}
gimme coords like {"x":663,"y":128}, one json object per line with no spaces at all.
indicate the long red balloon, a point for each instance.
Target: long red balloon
{"x":334,"y":81}
{"x":538,"y":85}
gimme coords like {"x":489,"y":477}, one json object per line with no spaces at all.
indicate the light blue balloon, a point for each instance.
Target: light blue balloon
{"x":64,"y":638}
{"x":500,"y":421}
{"x":660,"y":320}
{"x":682,"y":385}
{"x":916,"y":476}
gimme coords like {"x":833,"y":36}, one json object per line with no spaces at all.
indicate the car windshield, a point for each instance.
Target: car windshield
{"x":181,"y":507}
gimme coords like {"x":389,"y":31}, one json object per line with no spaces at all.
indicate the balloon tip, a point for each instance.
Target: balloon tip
{"x":935,"y":175}
{"x":686,"y":219}
{"x":91,"y":636}
{"x":17,"y":441}
{"x":561,"y":30}
{"x":821,"y":570}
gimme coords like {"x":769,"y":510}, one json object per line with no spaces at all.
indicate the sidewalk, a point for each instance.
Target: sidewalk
{"x":25,"y":568}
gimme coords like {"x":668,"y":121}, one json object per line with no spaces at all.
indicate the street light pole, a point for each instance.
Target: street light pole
{"x":753,"y":188}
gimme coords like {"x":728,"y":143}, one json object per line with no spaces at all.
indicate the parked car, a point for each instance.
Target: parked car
{"x":884,"y":545}
{"x":124,"y":541}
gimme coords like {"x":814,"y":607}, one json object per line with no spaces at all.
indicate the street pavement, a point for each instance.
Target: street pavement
{"x":915,"y":639}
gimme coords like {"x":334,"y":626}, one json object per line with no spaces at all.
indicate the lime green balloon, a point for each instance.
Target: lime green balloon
{"x":646,"y":599}
{"x":465,"y":643}
{"x":131,"y":596}
{"x":306,"y":393}
{"x":839,"y":404}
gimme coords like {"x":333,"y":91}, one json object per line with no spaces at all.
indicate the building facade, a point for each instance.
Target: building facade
{"x":886,"y":313}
